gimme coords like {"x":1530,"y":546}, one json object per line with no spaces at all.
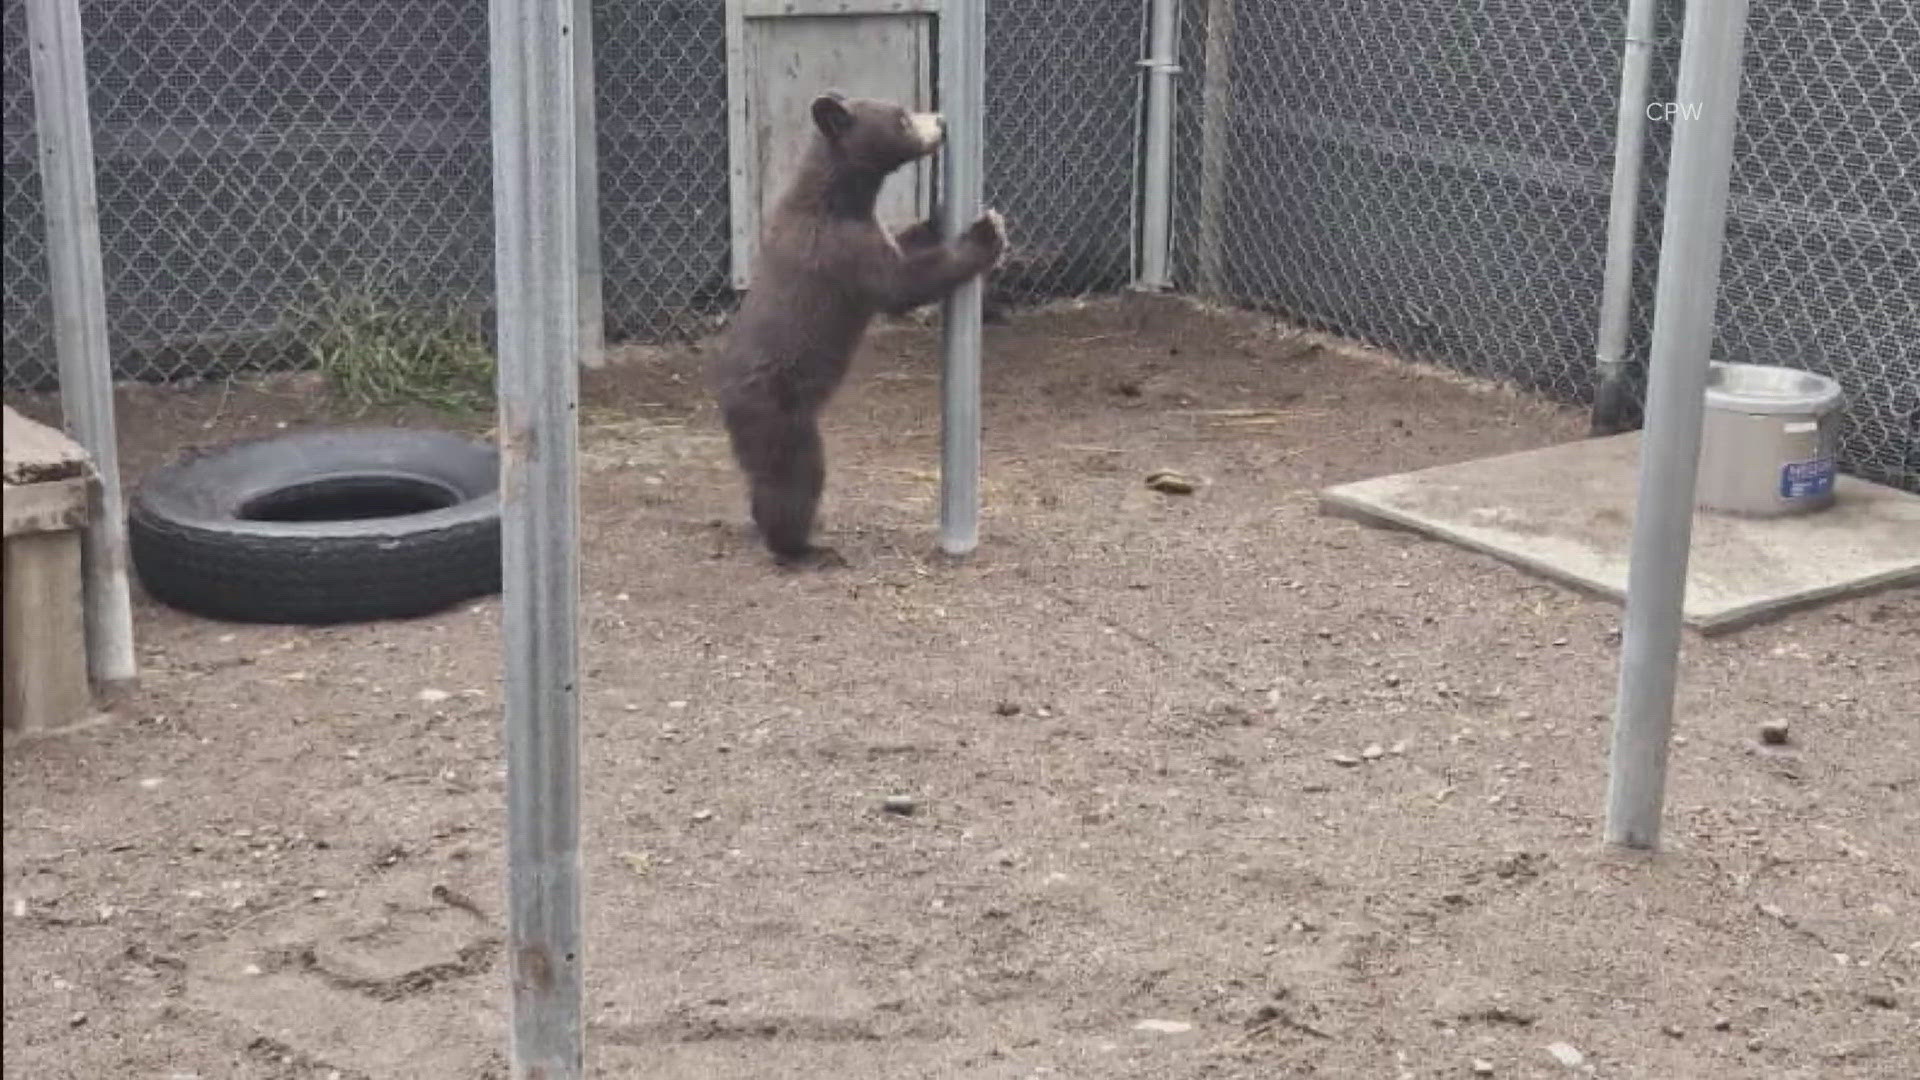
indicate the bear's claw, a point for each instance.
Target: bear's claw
{"x":990,"y":231}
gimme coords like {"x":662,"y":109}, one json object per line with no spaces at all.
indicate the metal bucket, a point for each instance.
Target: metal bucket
{"x":1769,"y":440}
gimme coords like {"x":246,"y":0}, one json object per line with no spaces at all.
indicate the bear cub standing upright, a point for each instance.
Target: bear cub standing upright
{"x":825,"y":267}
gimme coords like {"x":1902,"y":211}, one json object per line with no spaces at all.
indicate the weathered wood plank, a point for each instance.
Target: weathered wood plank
{"x":45,"y":658}
{"x":49,"y":506}
{"x":34,"y":452}
{"x":782,"y":54}
{"x":768,"y":9}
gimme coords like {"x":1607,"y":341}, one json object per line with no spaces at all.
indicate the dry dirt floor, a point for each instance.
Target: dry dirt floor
{"x":1201,"y":785}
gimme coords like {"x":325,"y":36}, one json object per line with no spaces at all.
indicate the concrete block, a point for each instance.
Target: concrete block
{"x":1566,"y":513}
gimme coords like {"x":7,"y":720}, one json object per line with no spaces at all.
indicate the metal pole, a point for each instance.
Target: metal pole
{"x":1216,"y":110}
{"x":1689,"y":282}
{"x":1610,"y":402}
{"x":593,"y":322}
{"x":64,"y":135}
{"x":963,"y":78}
{"x":1156,"y":209}
{"x":536,"y":136}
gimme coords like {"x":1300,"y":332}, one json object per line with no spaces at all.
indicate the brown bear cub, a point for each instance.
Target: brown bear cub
{"x":825,"y":267}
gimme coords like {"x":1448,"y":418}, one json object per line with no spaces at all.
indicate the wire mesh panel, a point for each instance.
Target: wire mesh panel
{"x":27,"y":315}
{"x":255,"y":157}
{"x":1426,"y":175}
{"x":1063,"y":104}
{"x":661,"y":109}
{"x":1823,"y":227}
{"x":258,"y":158}
{"x":1433,"y":177}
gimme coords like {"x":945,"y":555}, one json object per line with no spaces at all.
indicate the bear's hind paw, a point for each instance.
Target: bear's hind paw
{"x":813,"y":558}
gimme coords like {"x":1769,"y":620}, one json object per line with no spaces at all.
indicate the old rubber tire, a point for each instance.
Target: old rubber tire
{"x":322,"y":526}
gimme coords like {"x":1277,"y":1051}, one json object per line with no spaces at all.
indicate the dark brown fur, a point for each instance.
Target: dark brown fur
{"x":825,"y":267}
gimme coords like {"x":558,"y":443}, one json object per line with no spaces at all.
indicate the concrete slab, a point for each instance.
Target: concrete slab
{"x":1565,"y":512}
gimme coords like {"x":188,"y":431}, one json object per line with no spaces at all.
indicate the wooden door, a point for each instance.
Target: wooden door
{"x":781,"y":54}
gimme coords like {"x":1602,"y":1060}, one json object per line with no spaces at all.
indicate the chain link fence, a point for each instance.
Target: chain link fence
{"x":253,"y":159}
{"x":1063,"y":127}
{"x":257,"y":159}
{"x":1823,"y":237}
{"x":660,"y":104}
{"x":1428,"y":176}
{"x":27,"y":313}
{"x":1433,"y":177}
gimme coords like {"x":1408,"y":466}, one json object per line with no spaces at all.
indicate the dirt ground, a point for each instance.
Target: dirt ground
{"x":1201,"y":786}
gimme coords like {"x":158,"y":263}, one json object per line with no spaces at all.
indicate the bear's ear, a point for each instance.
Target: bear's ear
{"x":830,"y":114}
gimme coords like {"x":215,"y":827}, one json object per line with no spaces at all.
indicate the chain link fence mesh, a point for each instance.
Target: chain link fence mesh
{"x":259,"y":158}
{"x":1823,"y":240}
{"x":1430,"y":177}
{"x":1063,"y":127}
{"x":1433,"y":177}
{"x":253,"y":159}
{"x":27,"y":313}
{"x":660,"y":104}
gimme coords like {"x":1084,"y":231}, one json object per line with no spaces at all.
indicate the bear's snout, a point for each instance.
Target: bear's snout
{"x":929,"y":128}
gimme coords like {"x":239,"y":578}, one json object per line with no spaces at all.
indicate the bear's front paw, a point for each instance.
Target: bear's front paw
{"x":990,"y":233}
{"x":919,"y":235}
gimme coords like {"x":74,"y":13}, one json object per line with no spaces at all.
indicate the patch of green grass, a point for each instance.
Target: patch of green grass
{"x":375,"y":353}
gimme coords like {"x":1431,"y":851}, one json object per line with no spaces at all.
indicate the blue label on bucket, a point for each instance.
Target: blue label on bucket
{"x":1806,"y":479}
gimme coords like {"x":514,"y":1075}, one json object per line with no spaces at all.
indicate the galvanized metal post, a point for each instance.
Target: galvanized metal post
{"x":1156,"y":193}
{"x":1216,"y":116}
{"x":593,"y":317}
{"x":64,"y":135}
{"x":1689,"y":286}
{"x":536,"y":137}
{"x":963,"y":78}
{"x":1611,"y":404}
